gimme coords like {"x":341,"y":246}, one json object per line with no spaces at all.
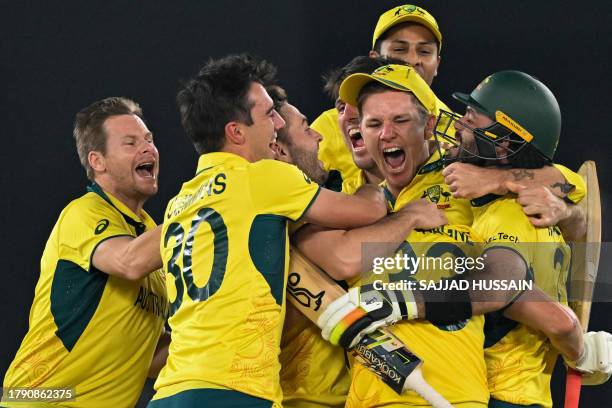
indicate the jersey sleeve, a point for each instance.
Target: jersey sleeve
{"x":327,"y":125}
{"x":579,"y":191}
{"x":85,"y":224}
{"x":281,"y":189}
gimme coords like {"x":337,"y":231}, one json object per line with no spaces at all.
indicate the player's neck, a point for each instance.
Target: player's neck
{"x":373,"y":176}
{"x":131,"y":200}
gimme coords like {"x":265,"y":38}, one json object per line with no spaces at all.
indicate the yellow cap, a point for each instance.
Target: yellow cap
{"x":400,"y":77}
{"x":403,"y":14}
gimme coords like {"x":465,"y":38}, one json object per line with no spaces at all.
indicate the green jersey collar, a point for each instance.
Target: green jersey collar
{"x":128,"y":215}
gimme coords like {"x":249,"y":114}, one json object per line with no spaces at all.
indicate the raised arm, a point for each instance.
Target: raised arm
{"x":347,"y":259}
{"x":470,"y":181}
{"x":129,"y":258}
{"x":337,"y":210}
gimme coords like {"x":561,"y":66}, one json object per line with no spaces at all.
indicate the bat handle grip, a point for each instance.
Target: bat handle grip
{"x":417,"y":383}
{"x":573,"y":382}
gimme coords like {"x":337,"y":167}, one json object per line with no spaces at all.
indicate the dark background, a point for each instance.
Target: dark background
{"x":58,"y":58}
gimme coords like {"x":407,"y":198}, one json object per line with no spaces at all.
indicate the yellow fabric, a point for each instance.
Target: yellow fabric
{"x":403,"y":14}
{"x":398,"y":77}
{"x":453,"y":355}
{"x":105,"y":356}
{"x":521,"y":363}
{"x":234,"y":264}
{"x":580,"y":190}
{"x":313,"y":371}
{"x":429,"y":183}
{"x":350,"y":186}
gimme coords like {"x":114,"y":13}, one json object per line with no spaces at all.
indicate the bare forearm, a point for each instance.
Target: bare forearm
{"x":556,"y":321}
{"x":130,"y":258}
{"x":349,"y":257}
{"x":573,"y":226}
{"x":337,"y":210}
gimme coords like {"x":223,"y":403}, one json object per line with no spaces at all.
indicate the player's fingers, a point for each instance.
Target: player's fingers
{"x":443,"y":218}
{"x":513,"y":187}
{"x":532,"y":209}
{"x":526,"y":199}
{"x":451,"y":178}
{"x":449,"y":169}
{"x":540,"y":222}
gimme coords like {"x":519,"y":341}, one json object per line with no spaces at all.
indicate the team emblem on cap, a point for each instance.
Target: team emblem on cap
{"x":385,"y":69}
{"x":408,"y":9}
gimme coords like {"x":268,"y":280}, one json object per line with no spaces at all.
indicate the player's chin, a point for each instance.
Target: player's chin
{"x":147,"y":186}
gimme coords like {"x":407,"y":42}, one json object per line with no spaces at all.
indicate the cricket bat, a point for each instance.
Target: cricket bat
{"x":585,"y":261}
{"x":311,"y":291}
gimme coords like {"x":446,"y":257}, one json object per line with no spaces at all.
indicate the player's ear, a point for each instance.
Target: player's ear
{"x":234,"y":133}
{"x":280,"y":152}
{"x":429,"y":126}
{"x":373,"y":54}
{"x":96,"y":161}
{"x":437,"y":66}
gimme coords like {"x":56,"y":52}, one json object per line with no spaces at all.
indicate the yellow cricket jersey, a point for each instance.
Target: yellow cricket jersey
{"x":333,"y":150}
{"x":313,"y":371}
{"x":224,"y":245}
{"x":520,"y":360}
{"x":89,"y":330}
{"x":453,"y":355}
{"x":351,"y":185}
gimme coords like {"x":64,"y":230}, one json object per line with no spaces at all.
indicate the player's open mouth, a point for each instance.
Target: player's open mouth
{"x":356,"y":140}
{"x":146,"y":169}
{"x":394,"y":157}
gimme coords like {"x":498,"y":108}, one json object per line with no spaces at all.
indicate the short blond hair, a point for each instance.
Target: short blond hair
{"x":89,"y":132}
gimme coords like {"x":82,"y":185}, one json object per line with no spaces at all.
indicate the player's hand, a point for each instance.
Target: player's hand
{"x":595,"y":364}
{"x":424,"y":214}
{"x":469,"y":181}
{"x":542,"y":206}
{"x":361,"y":311}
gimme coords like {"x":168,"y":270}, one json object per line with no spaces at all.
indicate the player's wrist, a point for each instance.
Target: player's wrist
{"x":497,"y":180}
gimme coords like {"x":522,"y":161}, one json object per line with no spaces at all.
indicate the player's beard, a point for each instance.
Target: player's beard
{"x":309,"y":163}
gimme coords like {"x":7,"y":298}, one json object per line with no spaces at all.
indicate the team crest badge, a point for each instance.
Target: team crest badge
{"x":438,"y":196}
{"x":408,"y":9}
{"x":384,"y":70}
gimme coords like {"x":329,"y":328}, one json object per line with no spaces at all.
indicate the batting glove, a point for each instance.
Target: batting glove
{"x":595,"y":364}
{"x":361,"y":311}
